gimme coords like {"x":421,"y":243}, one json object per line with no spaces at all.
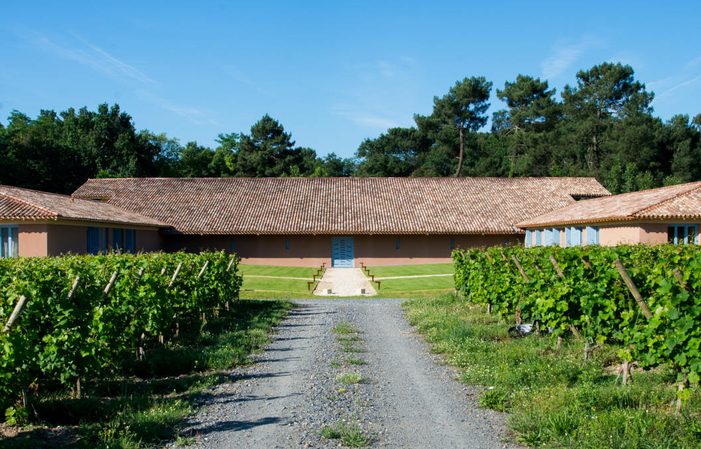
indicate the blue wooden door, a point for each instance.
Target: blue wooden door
{"x":342,"y":252}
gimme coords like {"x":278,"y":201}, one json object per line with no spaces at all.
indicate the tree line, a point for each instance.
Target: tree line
{"x":602,"y":126}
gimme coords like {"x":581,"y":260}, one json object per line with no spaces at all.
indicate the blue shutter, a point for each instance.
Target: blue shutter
{"x":556,"y":237}
{"x":568,"y":237}
{"x":538,"y":237}
{"x":397,"y":246}
{"x":129,"y":237}
{"x":287,"y":243}
{"x":576,"y":236}
{"x":4,"y":242}
{"x":529,"y":239}
{"x":117,"y":239}
{"x":93,"y":245}
{"x":547,"y":237}
{"x":452,"y":243}
{"x":233,"y":244}
{"x":592,"y":235}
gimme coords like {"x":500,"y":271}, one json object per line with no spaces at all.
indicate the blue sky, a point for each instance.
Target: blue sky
{"x":333,"y":73}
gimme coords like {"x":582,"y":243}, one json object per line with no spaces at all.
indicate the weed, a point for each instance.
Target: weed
{"x":330,"y":433}
{"x":350,"y":377}
{"x":345,"y":328}
{"x":335,"y":365}
{"x":343,"y":339}
{"x":354,"y":361}
{"x":351,"y":349}
{"x":353,"y":436}
{"x":350,"y":434}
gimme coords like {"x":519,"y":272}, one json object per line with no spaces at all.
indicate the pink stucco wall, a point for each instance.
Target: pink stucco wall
{"x":32,"y":240}
{"x":311,"y":251}
{"x":54,"y":239}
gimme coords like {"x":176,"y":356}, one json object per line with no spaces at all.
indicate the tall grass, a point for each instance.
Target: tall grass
{"x":553,"y":396}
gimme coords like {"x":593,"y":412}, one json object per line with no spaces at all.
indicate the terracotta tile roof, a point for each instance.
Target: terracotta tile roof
{"x":341,"y":205}
{"x":24,"y":204}
{"x":673,"y":202}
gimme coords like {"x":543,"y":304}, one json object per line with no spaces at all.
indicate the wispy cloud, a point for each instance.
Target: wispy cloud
{"x":92,"y":56}
{"x":694,"y":62}
{"x":679,"y":86}
{"x":379,"y":94}
{"x":191,"y":114}
{"x":367,"y":118}
{"x":564,"y":55}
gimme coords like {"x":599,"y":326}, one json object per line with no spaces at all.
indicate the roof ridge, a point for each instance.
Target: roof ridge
{"x":696,"y":186}
{"x":20,"y":200}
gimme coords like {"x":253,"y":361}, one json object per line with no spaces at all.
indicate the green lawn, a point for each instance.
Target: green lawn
{"x":269,"y":270}
{"x":412,"y":284}
{"x":275,"y":285}
{"x":412,"y":270}
{"x":270,"y":288}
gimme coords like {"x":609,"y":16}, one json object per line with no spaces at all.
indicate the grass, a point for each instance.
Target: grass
{"x":146,"y":406}
{"x":441,"y":283}
{"x":269,"y":285}
{"x":273,"y":270}
{"x":350,"y":434}
{"x":412,"y":270}
{"x":553,"y":396}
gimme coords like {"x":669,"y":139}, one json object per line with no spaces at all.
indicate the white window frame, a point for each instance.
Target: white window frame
{"x":12,"y":249}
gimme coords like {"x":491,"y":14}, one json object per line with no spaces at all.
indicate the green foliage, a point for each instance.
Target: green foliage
{"x":595,"y":300}
{"x":85,"y":337}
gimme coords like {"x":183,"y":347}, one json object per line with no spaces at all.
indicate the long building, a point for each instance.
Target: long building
{"x":339,"y":221}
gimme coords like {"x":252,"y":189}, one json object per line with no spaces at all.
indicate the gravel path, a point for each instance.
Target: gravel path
{"x":344,"y":282}
{"x":406,"y":400}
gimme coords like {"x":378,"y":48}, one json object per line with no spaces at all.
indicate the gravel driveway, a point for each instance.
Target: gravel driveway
{"x":406,"y":398}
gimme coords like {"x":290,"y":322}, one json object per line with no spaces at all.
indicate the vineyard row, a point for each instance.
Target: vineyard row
{"x":646,"y":299}
{"x":78,"y":317}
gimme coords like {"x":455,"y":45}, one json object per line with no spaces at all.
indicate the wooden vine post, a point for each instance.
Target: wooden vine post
{"x":680,"y":278}
{"x":140,"y":353}
{"x":71,"y":293}
{"x":633,"y":289}
{"x":560,"y":273}
{"x":199,"y":276}
{"x":525,"y":276}
{"x":177,"y":319}
{"x":641,"y":303}
{"x":109,"y":286}
{"x":489,"y":304}
{"x":231,"y":262}
{"x":16,"y":312}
